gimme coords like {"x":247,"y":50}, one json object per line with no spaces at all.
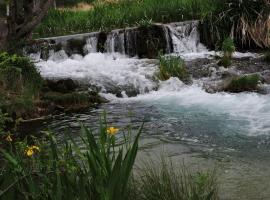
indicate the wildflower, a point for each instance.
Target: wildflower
{"x":30,"y":151}
{"x":9,"y":138}
{"x":112,"y":131}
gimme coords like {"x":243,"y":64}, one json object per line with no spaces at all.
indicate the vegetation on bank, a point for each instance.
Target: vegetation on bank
{"x":20,"y":83}
{"x":124,"y":13}
{"x":245,"y":21}
{"x":243,"y":83}
{"x":173,"y":66}
{"x":101,"y":169}
{"x":24,"y":93}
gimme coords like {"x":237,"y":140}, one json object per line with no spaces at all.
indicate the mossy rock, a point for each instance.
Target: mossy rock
{"x":243,"y":83}
{"x":267,"y":56}
{"x":173,"y":66}
{"x":62,"y":86}
{"x":73,"y":100}
{"x":225,"y":62}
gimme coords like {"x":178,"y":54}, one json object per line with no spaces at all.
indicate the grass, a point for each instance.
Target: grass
{"x":246,"y":21}
{"x":243,"y":83}
{"x":228,"y":48}
{"x":168,"y":182}
{"x":107,"y":16}
{"x":102,"y":170}
{"x":173,"y":66}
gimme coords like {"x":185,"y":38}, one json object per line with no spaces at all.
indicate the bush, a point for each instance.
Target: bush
{"x":18,"y":74}
{"x":172,"y":66}
{"x":243,"y":83}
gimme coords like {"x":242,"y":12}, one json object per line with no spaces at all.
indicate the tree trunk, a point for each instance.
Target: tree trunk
{"x":24,"y":16}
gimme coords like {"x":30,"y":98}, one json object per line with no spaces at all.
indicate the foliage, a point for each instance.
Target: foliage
{"x":20,"y":84}
{"x":243,"y":83}
{"x":246,"y":21}
{"x":18,"y":74}
{"x":46,"y":170}
{"x":172,"y":66}
{"x":107,"y":16}
{"x":164,"y":181}
{"x":228,"y":48}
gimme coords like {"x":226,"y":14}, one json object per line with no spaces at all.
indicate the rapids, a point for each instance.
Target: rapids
{"x":230,"y":131}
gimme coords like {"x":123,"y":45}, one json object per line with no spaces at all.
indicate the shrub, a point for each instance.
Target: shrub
{"x":172,"y":66}
{"x":18,"y":73}
{"x":243,"y":83}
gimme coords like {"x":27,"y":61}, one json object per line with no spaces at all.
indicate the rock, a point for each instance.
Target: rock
{"x":62,"y":86}
{"x":151,"y":41}
{"x":266,"y":76}
{"x":243,"y":83}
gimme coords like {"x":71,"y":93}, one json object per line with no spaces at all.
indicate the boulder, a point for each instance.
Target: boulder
{"x":62,"y":86}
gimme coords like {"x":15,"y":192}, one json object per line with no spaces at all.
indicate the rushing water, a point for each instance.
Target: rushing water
{"x":230,"y":131}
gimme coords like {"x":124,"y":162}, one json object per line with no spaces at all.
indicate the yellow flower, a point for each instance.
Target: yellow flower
{"x":112,"y":130}
{"x":9,"y":138}
{"x":30,"y":151}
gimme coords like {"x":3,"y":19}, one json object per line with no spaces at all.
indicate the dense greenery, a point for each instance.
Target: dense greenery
{"x":173,"y":66}
{"x":20,"y":82}
{"x":101,"y":169}
{"x":124,"y":13}
{"x":246,"y":21}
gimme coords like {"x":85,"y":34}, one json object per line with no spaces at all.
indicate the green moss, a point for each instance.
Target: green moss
{"x":74,"y":98}
{"x":243,"y":83}
{"x":172,"y":66}
{"x":225,"y":61}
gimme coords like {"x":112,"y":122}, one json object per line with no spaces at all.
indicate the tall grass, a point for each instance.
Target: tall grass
{"x":246,"y":21}
{"x":107,"y":16}
{"x":101,"y":169}
{"x":47,"y":170}
{"x":168,"y":182}
{"x":173,"y":66}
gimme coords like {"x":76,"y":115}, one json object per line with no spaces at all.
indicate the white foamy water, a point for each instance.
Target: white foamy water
{"x":103,"y":70}
{"x":251,"y":110}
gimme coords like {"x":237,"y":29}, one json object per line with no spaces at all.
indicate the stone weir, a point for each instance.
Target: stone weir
{"x":143,"y":42}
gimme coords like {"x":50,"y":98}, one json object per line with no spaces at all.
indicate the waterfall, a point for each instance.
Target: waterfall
{"x":91,"y":44}
{"x":143,"y":42}
{"x":185,"y":37}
